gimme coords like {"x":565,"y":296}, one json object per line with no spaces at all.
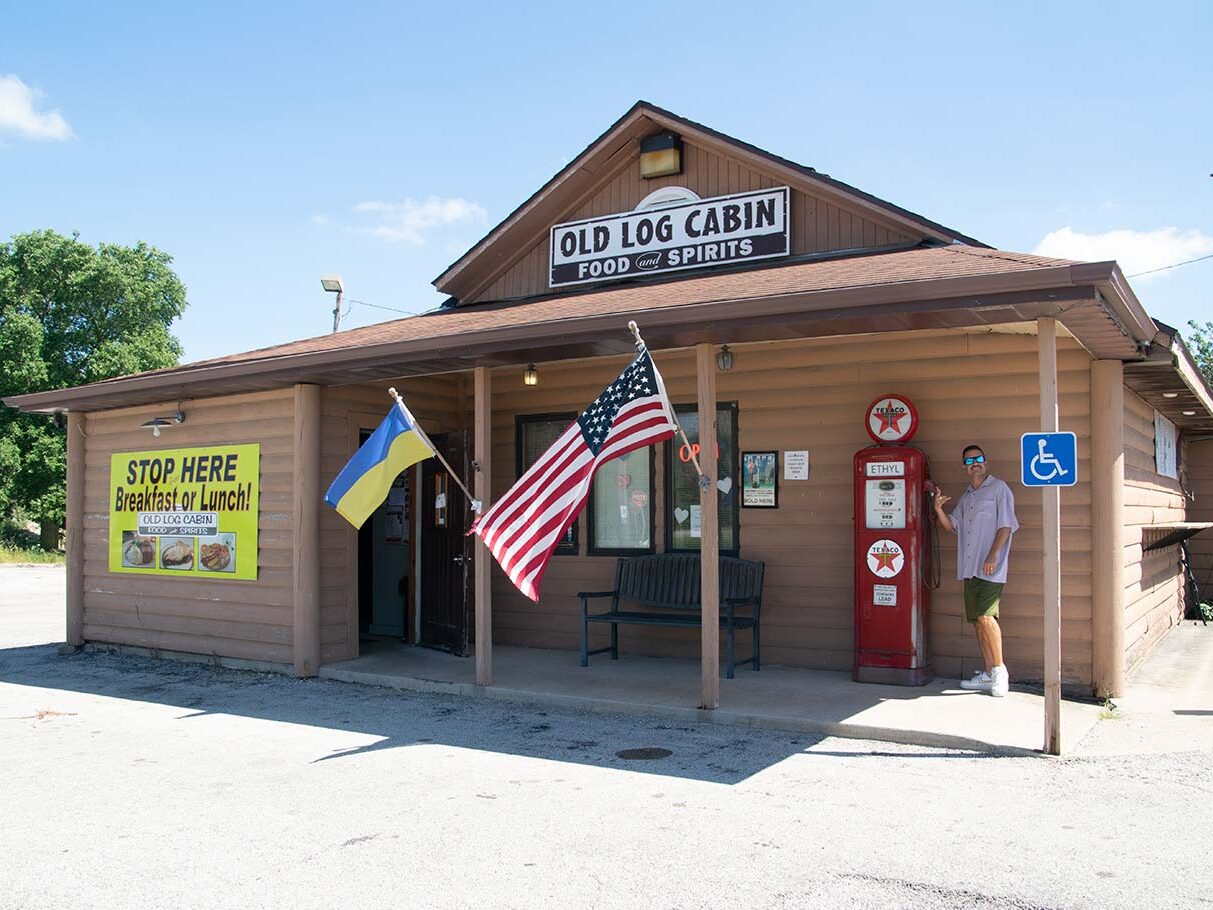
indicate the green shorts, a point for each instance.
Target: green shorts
{"x":981,"y":598}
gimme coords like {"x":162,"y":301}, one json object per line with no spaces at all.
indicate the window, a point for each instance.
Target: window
{"x":621,"y":505}
{"x":534,"y":435}
{"x":683,"y":529}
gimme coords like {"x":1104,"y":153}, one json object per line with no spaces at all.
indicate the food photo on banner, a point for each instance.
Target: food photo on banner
{"x":185,"y":512}
{"x":760,"y":480}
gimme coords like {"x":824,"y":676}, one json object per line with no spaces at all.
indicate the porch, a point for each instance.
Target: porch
{"x":823,"y":702}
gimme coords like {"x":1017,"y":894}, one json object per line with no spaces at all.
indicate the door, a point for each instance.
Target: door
{"x":445,"y":549}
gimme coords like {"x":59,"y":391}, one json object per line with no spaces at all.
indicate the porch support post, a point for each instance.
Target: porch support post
{"x":306,"y":532}
{"x":1046,"y":339}
{"x":482,"y":565}
{"x":709,"y":542}
{"x":1107,"y":527}
{"x":74,"y":539}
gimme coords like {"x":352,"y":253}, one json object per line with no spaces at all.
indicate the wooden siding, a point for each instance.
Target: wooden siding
{"x":1153,"y":581}
{"x":250,"y":620}
{"x":1198,"y":467}
{"x":439,"y":403}
{"x":811,"y":395}
{"x":816,"y":225}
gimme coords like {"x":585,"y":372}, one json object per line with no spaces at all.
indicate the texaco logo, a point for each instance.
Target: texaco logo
{"x":885,"y":558}
{"x":892,"y":418}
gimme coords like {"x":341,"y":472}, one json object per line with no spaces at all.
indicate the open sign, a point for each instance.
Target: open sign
{"x":686,"y":452}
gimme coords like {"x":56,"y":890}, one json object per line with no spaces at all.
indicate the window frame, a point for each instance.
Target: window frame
{"x":592,"y":550}
{"x":670,"y":448}
{"x":520,"y":420}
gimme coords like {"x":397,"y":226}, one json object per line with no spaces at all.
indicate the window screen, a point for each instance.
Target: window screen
{"x":683,"y":528}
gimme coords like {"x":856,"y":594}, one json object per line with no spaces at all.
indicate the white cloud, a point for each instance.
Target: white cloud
{"x":1136,"y":251}
{"x":17,"y":114}
{"x":411,"y":221}
{"x":320,"y":219}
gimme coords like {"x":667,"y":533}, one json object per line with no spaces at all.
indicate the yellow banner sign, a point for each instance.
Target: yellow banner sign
{"x":185,"y":512}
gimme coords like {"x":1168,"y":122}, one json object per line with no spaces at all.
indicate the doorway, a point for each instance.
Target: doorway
{"x":385,"y":563}
{"x":445,"y":548}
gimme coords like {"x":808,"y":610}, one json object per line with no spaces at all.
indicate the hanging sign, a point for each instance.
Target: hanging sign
{"x":185,"y":512}
{"x":689,"y":235}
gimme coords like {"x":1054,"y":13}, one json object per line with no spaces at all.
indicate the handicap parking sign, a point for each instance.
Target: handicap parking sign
{"x":1048,"y":459}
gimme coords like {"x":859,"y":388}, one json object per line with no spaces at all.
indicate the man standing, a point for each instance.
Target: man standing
{"x":983,"y":522}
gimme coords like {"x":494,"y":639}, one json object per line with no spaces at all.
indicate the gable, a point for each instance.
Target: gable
{"x":824,"y":216}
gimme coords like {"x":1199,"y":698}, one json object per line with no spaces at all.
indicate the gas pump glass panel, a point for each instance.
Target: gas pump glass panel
{"x":684,"y":529}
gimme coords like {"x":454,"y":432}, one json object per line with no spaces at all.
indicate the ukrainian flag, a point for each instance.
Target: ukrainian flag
{"x":363,"y":484}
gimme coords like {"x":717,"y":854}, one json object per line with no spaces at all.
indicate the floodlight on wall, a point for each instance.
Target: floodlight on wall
{"x":660,"y":155}
{"x":332,"y":284}
{"x":530,"y":376}
{"x":158,"y":423}
{"x":724,"y":359}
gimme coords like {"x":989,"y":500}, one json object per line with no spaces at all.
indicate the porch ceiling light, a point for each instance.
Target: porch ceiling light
{"x":724,"y":359}
{"x":660,"y":155}
{"x":1170,"y":394}
{"x":530,"y":376}
{"x":1189,"y":413}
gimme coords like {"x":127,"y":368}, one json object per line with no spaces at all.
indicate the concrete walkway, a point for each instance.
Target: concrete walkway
{"x":812,"y":701}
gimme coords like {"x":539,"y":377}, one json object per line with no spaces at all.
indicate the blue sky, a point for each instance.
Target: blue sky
{"x":264,"y":147}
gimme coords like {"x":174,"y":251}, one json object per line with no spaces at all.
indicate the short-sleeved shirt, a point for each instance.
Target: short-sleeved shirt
{"x":978,"y":515}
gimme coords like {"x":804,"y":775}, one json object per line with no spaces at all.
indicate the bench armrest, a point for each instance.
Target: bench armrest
{"x":741,"y":601}
{"x":584,"y":594}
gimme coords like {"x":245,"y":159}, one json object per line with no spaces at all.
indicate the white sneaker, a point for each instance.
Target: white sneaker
{"x":981,"y":682}
{"x":1001,"y":681}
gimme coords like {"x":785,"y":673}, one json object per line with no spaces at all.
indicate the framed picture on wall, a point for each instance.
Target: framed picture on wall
{"x":760,"y":480}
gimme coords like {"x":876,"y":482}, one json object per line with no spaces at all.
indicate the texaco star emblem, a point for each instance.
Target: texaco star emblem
{"x":885,"y":558}
{"x":890,"y":415}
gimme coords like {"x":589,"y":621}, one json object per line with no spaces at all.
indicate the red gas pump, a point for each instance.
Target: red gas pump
{"x":895,"y":563}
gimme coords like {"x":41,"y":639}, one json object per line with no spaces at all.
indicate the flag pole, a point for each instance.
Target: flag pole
{"x":704,"y":481}
{"x":420,"y":432}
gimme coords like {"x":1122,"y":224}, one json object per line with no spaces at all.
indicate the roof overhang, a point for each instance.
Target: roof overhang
{"x":1169,"y":381}
{"x":1107,"y":324}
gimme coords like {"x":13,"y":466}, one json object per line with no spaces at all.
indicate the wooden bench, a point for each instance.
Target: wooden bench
{"x":666,"y":587}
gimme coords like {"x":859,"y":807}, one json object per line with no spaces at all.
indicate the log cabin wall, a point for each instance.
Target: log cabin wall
{"x":816,"y":225}
{"x":968,"y":387}
{"x":438,"y":402}
{"x":249,"y":620}
{"x":1154,"y":599}
{"x":1199,"y":469}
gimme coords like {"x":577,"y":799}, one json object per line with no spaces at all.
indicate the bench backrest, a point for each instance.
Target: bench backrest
{"x":672,"y":580}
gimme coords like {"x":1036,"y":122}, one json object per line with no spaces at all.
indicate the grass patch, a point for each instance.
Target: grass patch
{"x":1108,"y":710}
{"x":16,"y":555}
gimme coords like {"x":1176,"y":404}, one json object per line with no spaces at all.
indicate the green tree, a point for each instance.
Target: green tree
{"x":71,"y":314}
{"x":1200,"y":343}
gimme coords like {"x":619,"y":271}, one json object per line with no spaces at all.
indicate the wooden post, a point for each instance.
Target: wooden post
{"x":482,"y":562}
{"x":74,"y":542}
{"x":709,"y":542}
{"x":1107,"y":528}
{"x":306,"y":531}
{"x":1046,"y":338}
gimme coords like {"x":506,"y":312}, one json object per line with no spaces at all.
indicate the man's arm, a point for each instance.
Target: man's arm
{"x":944,"y":521}
{"x":1001,"y":536}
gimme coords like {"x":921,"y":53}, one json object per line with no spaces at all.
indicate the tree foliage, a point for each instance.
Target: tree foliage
{"x":1200,"y":343}
{"x":71,"y":314}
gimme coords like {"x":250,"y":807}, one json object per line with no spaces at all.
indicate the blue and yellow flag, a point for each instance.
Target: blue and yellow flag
{"x":363,"y":484}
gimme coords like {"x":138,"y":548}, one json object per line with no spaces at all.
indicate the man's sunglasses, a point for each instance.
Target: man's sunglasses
{"x":975,"y":459}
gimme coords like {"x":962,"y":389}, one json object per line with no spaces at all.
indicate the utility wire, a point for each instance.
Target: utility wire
{"x":1173,"y":266}
{"x":379,"y":306}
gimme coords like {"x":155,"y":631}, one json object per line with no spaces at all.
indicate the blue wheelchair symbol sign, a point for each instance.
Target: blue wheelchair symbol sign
{"x":1048,"y":459}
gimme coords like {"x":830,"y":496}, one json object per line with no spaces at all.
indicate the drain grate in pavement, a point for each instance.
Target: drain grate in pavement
{"x":647,"y":754}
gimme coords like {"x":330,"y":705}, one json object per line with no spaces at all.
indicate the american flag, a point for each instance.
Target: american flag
{"x":523,"y":527}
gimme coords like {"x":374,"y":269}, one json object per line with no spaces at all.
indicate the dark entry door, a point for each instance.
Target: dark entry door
{"x":445,"y":550}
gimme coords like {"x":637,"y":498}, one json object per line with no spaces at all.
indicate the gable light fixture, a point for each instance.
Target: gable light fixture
{"x":530,"y":376}
{"x":660,"y":155}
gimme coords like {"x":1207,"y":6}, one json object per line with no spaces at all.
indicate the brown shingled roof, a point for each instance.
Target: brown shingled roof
{"x":925,"y":287}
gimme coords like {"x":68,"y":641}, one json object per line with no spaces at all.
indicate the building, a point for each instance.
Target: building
{"x":826,"y":298}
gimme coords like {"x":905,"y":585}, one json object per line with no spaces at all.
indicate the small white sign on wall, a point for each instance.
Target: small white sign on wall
{"x":1165,"y":438}
{"x":796,"y":465}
